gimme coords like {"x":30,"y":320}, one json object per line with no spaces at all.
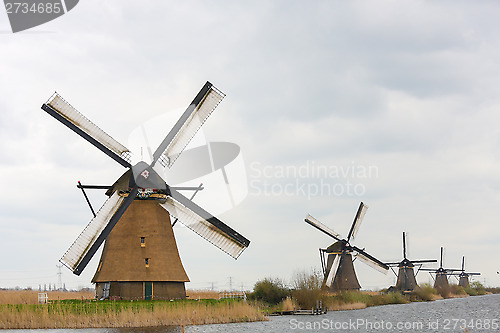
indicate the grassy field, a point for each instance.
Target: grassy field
{"x":19,"y":309}
{"x":31,"y":296}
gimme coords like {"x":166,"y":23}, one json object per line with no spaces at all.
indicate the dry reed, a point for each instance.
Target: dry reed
{"x":288,"y":305}
{"x":125,"y":314}
{"x":346,"y":306}
{"x":202,"y":294}
{"x":31,"y":296}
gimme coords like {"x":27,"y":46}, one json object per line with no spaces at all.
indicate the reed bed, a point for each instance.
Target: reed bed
{"x":31,"y":296}
{"x":78,"y":314}
{"x":288,"y":304}
{"x":202,"y":294}
{"x":346,"y":306}
{"x":350,"y":300}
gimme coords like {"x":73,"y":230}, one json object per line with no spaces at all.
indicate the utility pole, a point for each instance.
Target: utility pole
{"x":230,"y":283}
{"x":59,"y":277}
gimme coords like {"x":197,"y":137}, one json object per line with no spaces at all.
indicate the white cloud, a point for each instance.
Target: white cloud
{"x":408,"y":87}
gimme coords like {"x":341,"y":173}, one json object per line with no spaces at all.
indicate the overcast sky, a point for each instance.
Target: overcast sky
{"x":398,"y":100}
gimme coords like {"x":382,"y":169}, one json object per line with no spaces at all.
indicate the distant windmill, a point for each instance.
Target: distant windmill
{"x":140,"y":258}
{"x":463,"y":276}
{"x":338,"y":270}
{"x":406,"y":281}
{"x":441,"y":274}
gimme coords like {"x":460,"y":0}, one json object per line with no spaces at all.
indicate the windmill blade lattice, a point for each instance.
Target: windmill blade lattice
{"x":360,"y":214}
{"x":186,"y":127}
{"x":86,"y":245}
{"x":333,"y":270}
{"x":145,"y":177}
{"x":205,"y":225}
{"x":371,"y":260}
{"x":57,"y":107}
{"x":320,"y":226}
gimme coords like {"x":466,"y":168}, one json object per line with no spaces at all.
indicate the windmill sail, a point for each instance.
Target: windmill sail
{"x":205,"y":225}
{"x":404,"y":245}
{"x":406,"y":262}
{"x":87,"y":243}
{"x":333,"y":270}
{"x":145,"y":177}
{"x":463,"y":272}
{"x":320,"y":226}
{"x":423,"y":261}
{"x":357,"y":221}
{"x":57,"y":107}
{"x":186,"y":127}
{"x":370,"y":260}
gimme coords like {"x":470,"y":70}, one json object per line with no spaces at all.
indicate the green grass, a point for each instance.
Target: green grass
{"x":82,"y":314}
{"x":475,"y":288}
{"x":93,"y":306}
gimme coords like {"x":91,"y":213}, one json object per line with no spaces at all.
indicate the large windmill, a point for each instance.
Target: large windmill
{"x":441,"y":274}
{"x":406,"y":281}
{"x":463,"y":276}
{"x":140,"y":257}
{"x":338,"y":268}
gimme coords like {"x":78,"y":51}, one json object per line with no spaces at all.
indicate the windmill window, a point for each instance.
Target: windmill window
{"x":143,"y":241}
{"x":146,"y":261}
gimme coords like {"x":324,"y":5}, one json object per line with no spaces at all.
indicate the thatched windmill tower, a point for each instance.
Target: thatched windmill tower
{"x":152,"y":266}
{"x":338,"y":268}
{"x":463,"y":276}
{"x":441,"y":275}
{"x":140,"y":257}
{"x":406,"y":280}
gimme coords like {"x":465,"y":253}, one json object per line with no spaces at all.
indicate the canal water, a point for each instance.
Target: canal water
{"x":470,"y":314}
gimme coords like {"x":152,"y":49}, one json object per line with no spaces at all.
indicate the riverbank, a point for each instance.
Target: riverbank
{"x":19,"y":309}
{"x":309,"y":298}
{"x":95,"y":314}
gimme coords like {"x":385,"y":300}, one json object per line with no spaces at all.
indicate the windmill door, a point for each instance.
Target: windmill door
{"x":105,"y":290}
{"x":148,"y":290}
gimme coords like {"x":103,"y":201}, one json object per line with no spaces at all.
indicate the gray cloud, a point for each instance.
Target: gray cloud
{"x":407,"y":87}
